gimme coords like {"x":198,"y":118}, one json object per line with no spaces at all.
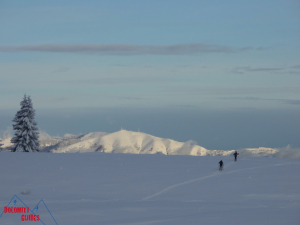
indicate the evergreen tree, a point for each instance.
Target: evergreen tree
{"x":26,"y":137}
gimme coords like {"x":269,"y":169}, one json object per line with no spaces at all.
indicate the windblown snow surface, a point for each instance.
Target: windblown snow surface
{"x":138,"y":189}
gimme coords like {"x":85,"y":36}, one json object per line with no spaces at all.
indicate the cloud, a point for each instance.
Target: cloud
{"x":215,"y":91}
{"x":290,"y":101}
{"x":126,"y":49}
{"x":293,"y":72}
{"x":242,"y":98}
{"x":183,"y":106}
{"x":296,"y":67}
{"x":284,"y":69}
{"x":61,"y":70}
{"x":242,"y":70}
{"x":285,"y":101}
{"x":129,"y":98}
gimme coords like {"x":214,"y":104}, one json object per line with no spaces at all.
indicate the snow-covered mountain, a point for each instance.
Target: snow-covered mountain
{"x":69,"y":140}
{"x":124,"y":141}
{"x":5,"y":142}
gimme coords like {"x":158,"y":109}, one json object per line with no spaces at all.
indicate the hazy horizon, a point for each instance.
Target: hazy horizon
{"x":223,"y":130}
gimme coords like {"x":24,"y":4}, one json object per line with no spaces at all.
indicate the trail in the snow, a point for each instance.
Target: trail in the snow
{"x":180,"y":184}
{"x":208,"y":176}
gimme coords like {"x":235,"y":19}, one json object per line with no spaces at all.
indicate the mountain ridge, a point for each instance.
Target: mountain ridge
{"x":131,"y":142}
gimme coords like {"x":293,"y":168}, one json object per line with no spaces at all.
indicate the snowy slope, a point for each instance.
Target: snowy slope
{"x":119,"y":189}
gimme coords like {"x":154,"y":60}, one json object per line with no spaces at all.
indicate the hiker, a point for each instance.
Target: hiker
{"x":235,"y":155}
{"x":221,"y":165}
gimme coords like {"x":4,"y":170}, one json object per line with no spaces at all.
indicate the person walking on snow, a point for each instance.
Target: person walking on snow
{"x":221,"y":165}
{"x":235,"y":155}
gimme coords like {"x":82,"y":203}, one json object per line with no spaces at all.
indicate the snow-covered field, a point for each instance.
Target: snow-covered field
{"x":102,"y":188}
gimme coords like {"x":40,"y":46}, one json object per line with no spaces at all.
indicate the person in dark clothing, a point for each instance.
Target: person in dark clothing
{"x":235,"y":155}
{"x":221,"y":165}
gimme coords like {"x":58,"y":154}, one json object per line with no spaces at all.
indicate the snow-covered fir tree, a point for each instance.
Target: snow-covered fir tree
{"x":26,"y":137}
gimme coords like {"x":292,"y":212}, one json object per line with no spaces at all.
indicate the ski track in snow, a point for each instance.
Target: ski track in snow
{"x":208,"y":176}
{"x":183,"y":183}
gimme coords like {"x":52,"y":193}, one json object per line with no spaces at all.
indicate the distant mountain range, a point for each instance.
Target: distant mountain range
{"x":124,"y":141}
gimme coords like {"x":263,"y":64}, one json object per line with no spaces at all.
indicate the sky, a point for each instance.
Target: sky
{"x":223,"y":73}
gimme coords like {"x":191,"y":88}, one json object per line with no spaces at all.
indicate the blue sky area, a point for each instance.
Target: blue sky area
{"x":197,"y":61}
